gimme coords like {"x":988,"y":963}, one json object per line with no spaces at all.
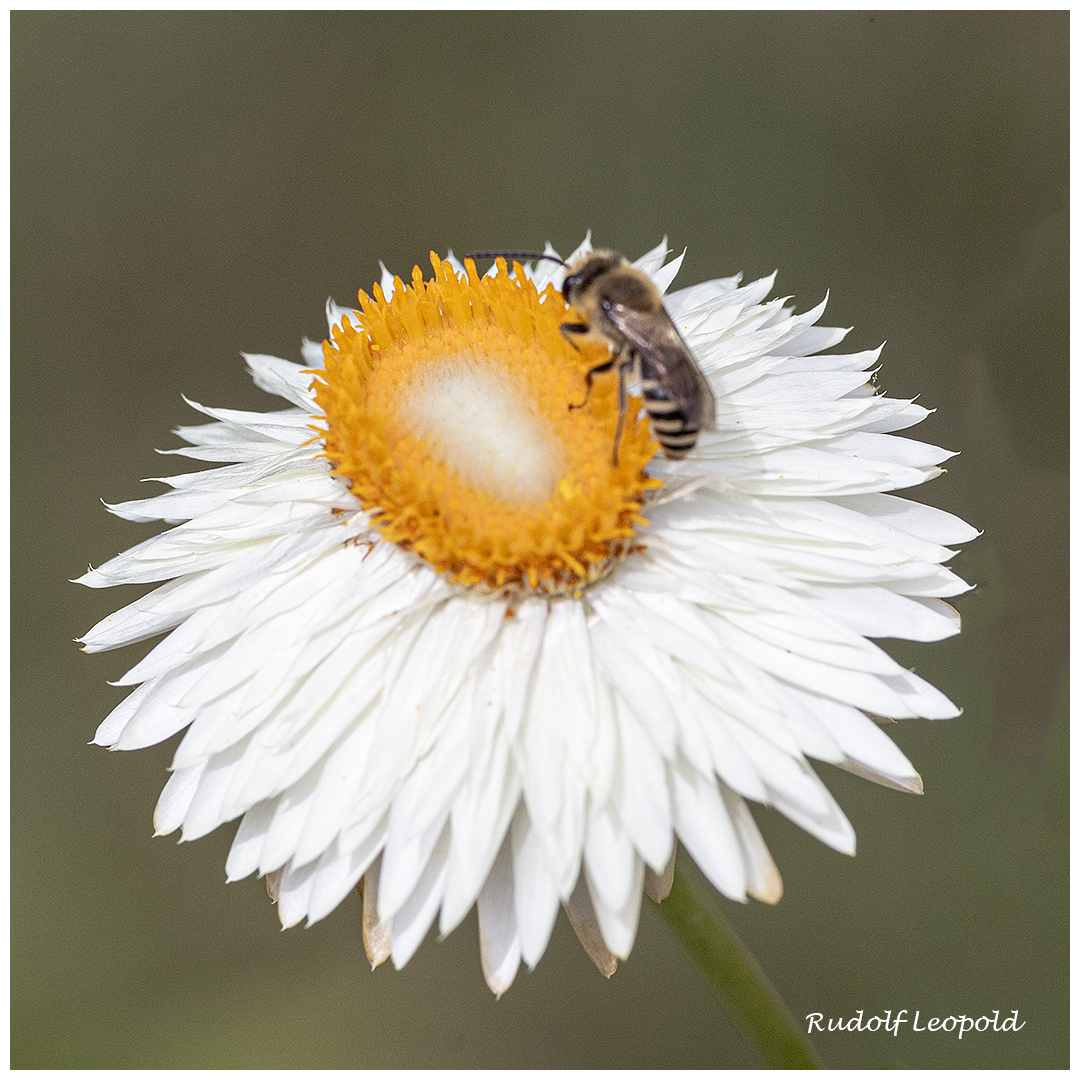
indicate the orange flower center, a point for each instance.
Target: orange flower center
{"x":447,"y":411}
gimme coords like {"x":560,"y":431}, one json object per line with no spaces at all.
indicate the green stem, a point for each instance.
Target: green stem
{"x":753,"y":1005}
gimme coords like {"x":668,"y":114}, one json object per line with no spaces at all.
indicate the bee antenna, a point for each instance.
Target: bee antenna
{"x":514,"y":255}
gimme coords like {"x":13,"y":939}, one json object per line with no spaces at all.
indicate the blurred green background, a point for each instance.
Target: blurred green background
{"x":189,"y":185}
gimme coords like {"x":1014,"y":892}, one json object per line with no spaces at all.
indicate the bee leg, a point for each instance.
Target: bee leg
{"x":570,"y":330}
{"x":599,"y":370}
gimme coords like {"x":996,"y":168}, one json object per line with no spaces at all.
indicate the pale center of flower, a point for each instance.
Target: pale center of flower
{"x":478,"y":422}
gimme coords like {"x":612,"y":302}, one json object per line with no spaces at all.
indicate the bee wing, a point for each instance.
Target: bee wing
{"x":660,"y":344}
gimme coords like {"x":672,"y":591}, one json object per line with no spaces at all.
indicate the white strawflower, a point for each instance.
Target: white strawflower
{"x":428,"y":639}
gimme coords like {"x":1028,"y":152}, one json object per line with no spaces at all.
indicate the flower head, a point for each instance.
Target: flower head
{"x":427,"y":638}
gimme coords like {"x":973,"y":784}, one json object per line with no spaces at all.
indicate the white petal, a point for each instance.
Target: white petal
{"x":294,"y":893}
{"x":762,"y":878}
{"x":729,"y":760}
{"x":341,"y":868}
{"x":556,"y":741}
{"x":500,"y":949}
{"x":291,"y":811}
{"x":705,"y":828}
{"x":175,"y":799}
{"x":416,"y":915}
{"x":248,"y":843}
{"x":861,"y":739}
{"x":610,"y":860}
{"x":663,"y":277}
{"x":640,"y":793}
{"x":831,"y":828}
{"x":536,"y":899}
{"x":618,"y":924}
{"x":205,"y":812}
{"x":632,"y":666}
{"x":652,"y":260}
{"x":150,"y":714}
{"x":782,"y":772}
{"x":281,"y":377}
{"x":312,"y":353}
{"x":926,"y":522}
{"x":403,"y":870}
{"x":480,"y":820}
{"x":516,"y":660}
{"x":879,"y":612}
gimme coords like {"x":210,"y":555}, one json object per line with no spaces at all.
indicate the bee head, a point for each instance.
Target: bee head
{"x":586,"y":270}
{"x":607,"y":279}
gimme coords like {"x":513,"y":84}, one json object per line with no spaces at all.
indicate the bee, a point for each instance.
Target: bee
{"x":622,"y":308}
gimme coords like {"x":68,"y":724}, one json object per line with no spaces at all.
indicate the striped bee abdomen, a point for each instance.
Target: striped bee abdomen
{"x":671,"y":427}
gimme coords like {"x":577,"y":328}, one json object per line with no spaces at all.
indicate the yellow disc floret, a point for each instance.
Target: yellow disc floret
{"x":447,"y":411}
